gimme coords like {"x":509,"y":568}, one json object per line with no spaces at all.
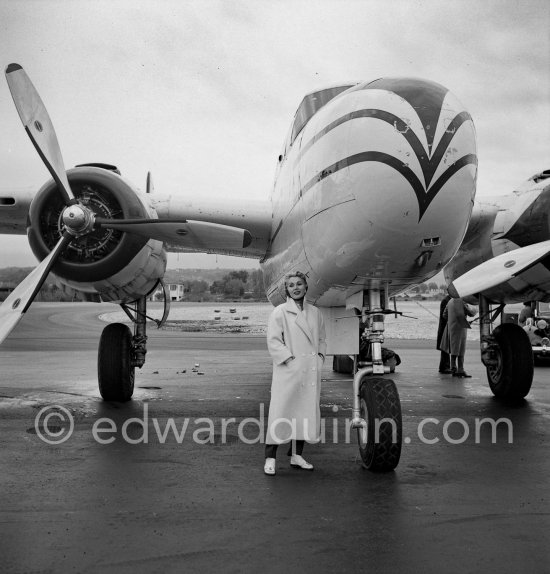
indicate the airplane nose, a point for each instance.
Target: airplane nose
{"x":388,"y":167}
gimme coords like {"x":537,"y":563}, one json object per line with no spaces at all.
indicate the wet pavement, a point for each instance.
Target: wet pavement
{"x":181,"y":486}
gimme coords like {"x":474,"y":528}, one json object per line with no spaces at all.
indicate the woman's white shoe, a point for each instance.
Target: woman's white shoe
{"x":297,"y":461}
{"x":269,"y":466}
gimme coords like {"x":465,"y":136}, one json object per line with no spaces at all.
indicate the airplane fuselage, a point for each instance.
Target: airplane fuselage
{"x":376,"y":189}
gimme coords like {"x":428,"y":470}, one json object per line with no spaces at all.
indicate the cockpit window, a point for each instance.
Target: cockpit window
{"x":311,"y":104}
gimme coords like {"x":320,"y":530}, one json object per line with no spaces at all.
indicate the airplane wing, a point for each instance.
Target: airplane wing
{"x":207,"y":226}
{"x":14,"y":210}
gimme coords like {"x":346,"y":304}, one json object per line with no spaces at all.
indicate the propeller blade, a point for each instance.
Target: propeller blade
{"x":192,"y":234}
{"x":150,"y":188}
{"x":38,"y":126}
{"x":498,"y":270}
{"x":20,"y":299}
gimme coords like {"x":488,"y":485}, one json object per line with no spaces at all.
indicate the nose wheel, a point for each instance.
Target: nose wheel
{"x":380,"y":438}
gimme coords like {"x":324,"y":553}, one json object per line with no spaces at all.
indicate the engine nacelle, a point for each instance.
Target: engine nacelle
{"x":117,"y":266}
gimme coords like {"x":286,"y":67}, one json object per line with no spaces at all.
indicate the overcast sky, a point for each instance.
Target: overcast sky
{"x":202,"y":92}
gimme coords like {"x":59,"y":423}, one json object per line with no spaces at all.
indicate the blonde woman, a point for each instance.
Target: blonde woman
{"x":296,"y":343}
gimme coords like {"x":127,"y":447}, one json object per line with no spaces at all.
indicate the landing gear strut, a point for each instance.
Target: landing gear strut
{"x":120,"y":352}
{"x":507,"y":355}
{"x":376,"y":405}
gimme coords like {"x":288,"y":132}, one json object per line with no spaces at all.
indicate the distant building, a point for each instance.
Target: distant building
{"x":176,"y":291}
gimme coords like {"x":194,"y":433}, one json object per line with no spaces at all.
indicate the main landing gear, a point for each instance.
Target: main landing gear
{"x":120,"y":352}
{"x":376,"y":405}
{"x":506,"y":353}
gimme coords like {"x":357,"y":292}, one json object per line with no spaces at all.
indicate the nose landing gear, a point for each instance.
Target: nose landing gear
{"x":376,"y":404}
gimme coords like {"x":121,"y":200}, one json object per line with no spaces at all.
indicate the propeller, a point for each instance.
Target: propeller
{"x":78,"y":219}
{"x":498,"y":270}
{"x":20,"y":299}
{"x":40,"y":130}
{"x":204,"y":235}
{"x":38,"y":126}
{"x":150,"y":188}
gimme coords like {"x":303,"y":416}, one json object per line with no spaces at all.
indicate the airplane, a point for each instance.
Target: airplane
{"x":373,"y":193}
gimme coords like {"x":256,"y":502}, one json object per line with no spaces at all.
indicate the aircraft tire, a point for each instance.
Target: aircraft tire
{"x":381,"y":408}
{"x":114,"y":363}
{"x":512,"y":377}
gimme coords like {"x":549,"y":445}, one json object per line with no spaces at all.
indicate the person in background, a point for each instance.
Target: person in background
{"x":445,"y":358}
{"x":296,"y":343}
{"x":453,"y":340}
{"x":525,"y":313}
{"x":542,"y":329}
{"x":530,"y":329}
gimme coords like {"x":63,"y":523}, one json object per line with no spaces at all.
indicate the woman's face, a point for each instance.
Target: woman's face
{"x":296,"y":288}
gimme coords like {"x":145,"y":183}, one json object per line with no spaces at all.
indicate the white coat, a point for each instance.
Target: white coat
{"x":294,"y":412}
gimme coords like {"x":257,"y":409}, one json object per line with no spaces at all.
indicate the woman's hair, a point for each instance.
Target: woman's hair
{"x":294,"y":274}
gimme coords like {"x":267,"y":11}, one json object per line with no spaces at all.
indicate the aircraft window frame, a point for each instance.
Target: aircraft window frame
{"x":311,"y":104}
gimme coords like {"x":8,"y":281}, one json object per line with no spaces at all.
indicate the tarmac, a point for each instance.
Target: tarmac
{"x":84,"y":488}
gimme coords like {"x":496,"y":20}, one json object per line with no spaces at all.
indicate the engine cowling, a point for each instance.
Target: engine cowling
{"x":117,"y":266}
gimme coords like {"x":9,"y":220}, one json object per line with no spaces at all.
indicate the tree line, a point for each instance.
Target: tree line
{"x":220,"y":284}
{"x":199,"y":284}
{"x":233,"y":285}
